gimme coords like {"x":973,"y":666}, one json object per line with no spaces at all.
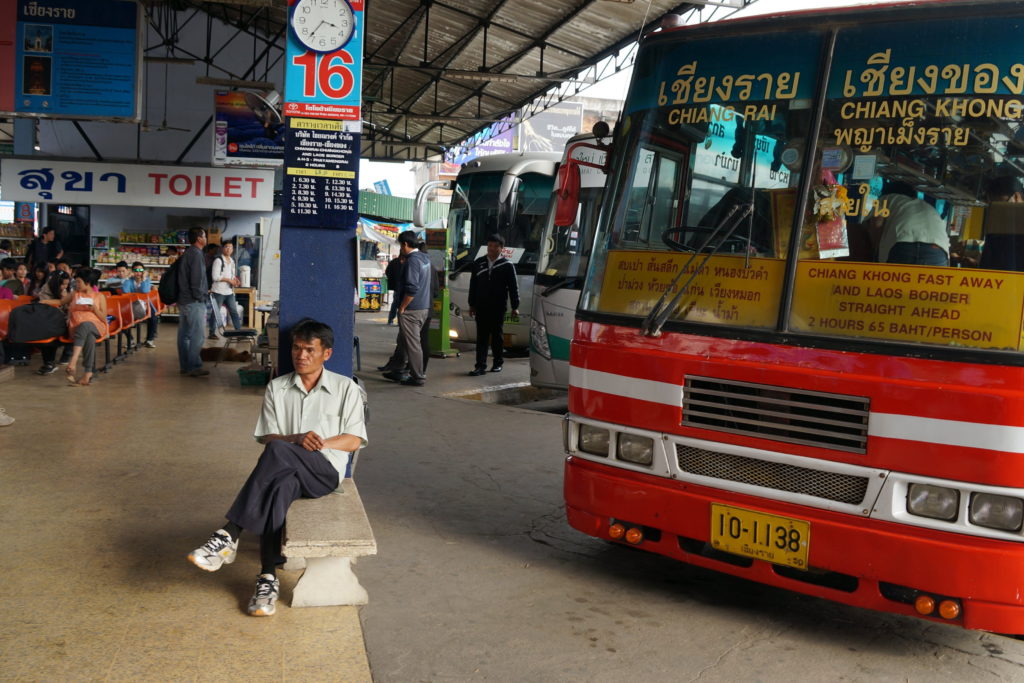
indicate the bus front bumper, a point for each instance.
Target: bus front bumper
{"x":853,"y":560}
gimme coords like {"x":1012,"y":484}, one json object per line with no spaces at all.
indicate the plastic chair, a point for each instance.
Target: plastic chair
{"x":6,"y":305}
{"x":246,"y":335}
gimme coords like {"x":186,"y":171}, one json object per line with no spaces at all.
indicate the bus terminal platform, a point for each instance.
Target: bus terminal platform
{"x":478,"y":577}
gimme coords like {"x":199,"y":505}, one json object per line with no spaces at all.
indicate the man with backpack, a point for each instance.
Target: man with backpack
{"x":193,"y":292}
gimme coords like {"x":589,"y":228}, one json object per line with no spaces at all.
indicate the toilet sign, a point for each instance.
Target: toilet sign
{"x":45,"y":180}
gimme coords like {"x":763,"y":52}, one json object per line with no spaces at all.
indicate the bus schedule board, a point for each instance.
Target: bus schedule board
{"x":70,"y":59}
{"x":321,"y":163}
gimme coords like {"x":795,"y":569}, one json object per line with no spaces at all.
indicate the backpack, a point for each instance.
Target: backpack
{"x":35,"y":322}
{"x":168,"y":286}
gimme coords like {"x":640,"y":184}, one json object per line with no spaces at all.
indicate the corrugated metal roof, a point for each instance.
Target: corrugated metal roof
{"x":390,"y":208}
{"x":414,"y":49}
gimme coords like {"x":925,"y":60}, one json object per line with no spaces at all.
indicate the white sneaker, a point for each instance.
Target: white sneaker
{"x":5,"y":419}
{"x":216,"y":552}
{"x":149,"y":344}
{"x":264,"y":601}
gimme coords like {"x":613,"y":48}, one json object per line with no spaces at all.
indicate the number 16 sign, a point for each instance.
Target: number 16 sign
{"x":325,"y":58}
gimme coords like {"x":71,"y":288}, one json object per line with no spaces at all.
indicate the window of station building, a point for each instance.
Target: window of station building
{"x":915,"y":232}
{"x":699,"y":180}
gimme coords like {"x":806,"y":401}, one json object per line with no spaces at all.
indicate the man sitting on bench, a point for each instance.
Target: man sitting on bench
{"x":311,"y":423}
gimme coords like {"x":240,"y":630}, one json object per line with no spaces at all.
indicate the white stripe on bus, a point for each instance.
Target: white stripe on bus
{"x":991,"y":437}
{"x":628,"y":387}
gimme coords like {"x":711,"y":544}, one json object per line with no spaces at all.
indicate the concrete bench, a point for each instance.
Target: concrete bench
{"x":325,"y":536}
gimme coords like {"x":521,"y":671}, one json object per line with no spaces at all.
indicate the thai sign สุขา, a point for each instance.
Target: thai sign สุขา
{"x":36,"y":180}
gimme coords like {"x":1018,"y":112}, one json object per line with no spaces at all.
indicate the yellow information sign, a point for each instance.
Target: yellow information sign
{"x":947,"y":306}
{"x":725,"y":291}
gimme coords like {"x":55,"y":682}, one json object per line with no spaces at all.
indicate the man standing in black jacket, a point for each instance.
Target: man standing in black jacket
{"x":492,"y":283}
{"x":192,"y":294}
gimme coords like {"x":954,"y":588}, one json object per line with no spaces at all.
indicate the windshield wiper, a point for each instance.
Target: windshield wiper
{"x":655,"y":320}
{"x":560,"y":284}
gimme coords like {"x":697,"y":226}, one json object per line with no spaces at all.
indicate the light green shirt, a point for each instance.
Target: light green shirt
{"x":331,"y":408}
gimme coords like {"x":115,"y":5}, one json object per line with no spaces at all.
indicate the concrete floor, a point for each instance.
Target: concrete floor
{"x":104,"y":490}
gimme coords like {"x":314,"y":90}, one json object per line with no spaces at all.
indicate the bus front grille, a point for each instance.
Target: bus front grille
{"x":842,"y":488}
{"x":811,"y":418}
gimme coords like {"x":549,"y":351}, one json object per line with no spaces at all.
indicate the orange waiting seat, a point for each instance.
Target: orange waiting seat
{"x":5,"y":314}
{"x":154,"y":299}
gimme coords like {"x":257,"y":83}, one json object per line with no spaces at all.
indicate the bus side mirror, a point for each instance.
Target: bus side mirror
{"x":419,"y":208}
{"x":567,"y":195}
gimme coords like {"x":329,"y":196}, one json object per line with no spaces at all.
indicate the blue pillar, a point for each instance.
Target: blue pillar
{"x":318,"y":270}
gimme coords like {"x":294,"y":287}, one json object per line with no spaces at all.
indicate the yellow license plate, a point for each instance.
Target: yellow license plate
{"x":780,"y":540}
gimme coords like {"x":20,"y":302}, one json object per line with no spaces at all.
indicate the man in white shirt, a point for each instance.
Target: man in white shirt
{"x":311,"y":424}
{"x":913,"y":232}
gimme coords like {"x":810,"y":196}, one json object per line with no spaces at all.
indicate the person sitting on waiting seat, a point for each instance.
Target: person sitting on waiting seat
{"x":312,"y":422}
{"x":38,"y":281}
{"x":21,"y":272}
{"x":122,"y":273}
{"x":87,"y":324}
{"x":139,"y":283}
{"x":7,"y":277}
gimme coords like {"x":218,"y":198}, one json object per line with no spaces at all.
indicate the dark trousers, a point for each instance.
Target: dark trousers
{"x":284,"y":473}
{"x":398,"y":362}
{"x":489,"y":333}
{"x":49,"y":352}
{"x":919,"y":253}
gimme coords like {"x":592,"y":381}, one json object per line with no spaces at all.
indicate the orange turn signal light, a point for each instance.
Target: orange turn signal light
{"x":616,"y":531}
{"x":924,"y":604}
{"x":949,"y":609}
{"x":634,"y":536}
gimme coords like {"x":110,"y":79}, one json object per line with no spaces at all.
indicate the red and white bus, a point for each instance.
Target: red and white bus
{"x":797,"y":355}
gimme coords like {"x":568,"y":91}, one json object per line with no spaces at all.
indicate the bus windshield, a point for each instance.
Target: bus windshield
{"x":913,"y":226}
{"x":567,"y":248}
{"x":474,"y":221}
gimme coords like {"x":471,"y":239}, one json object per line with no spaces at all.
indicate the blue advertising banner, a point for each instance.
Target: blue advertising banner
{"x":74,"y":59}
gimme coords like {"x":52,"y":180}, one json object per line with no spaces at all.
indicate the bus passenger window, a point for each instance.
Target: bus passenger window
{"x":916,"y":231}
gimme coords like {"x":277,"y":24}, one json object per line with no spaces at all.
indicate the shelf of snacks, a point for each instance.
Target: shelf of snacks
{"x":16,"y":230}
{"x":19,"y":233}
{"x":107,"y":251}
{"x":172,"y":237}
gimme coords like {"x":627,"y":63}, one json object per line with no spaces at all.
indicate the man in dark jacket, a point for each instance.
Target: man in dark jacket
{"x":492,"y":283}
{"x":192,"y":295}
{"x":393,"y":274}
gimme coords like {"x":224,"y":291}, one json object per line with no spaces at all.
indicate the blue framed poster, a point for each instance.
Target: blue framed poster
{"x":76,"y":59}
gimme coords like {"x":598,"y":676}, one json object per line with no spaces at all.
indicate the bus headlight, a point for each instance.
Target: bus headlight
{"x":997,"y":512}
{"x":937,"y":502}
{"x":636,"y":449}
{"x":539,"y":339}
{"x":594,"y":440}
